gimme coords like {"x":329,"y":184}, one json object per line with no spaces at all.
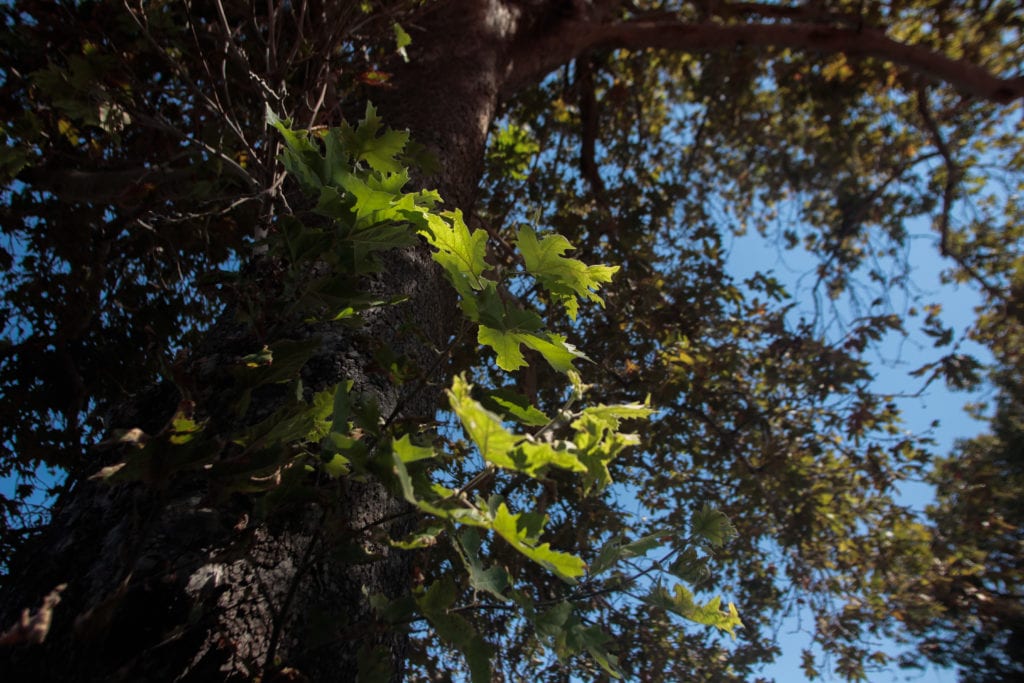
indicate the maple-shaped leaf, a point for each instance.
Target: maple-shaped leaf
{"x":300,"y":157}
{"x":712,"y":526}
{"x":459,"y":251}
{"x":494,"y":580}
{"x":410,"y":452}
{"x":616,"y":550}
{"x":507,"y":344}
{"x":565,"y":278}
{"x":595,"y":642}
{"x":599,"y":440}
{"x":439,"y":503}
{"x":500,"y":446}
{"x":380,"y":152}
{"x":370,"y":202}
{"x":483,"y":427}
{"x":515,"y":406}
{"x":681,"y":602}
{"x":564,"y":565}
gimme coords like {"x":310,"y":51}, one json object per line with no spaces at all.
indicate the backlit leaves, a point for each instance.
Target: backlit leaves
{"x":459,"y":251}
{"x":501,"y":447}
{"x":518,"y":531}
{"x":712,"y":526}
{"x":681,"y":602}
{"x":565,"y":278}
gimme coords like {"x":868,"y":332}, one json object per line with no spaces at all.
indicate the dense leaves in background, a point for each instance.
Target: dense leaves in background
{"x":139,"y":162}
{"x":655,"y":159}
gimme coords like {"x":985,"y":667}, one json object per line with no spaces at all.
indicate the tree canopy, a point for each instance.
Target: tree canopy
{"x":604,"y":455}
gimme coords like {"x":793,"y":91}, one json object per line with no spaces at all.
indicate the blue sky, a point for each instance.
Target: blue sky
{"x":894,"y":359}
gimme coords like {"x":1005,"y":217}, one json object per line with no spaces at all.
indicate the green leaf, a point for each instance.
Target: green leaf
{"x":409,"y":452}
{"x":402,"y":40}
{"x":301,"y":158}
{"x":690,"y":567}
{"x":159,"y":458}
{"x":482,"y":426}
{"x":342,"y":407}
{"x":615,"y":550}
{"x":380,"y":152}
{"x":597,"y":446}
{"x":336,"y":158}
{"x":456,"y":510}
{"x":494,"y":580}
{"x":336,"y":465}
{"x":681,"y":602}
{"x":380,"y":238}
{"x":598,"y":440}
{"x":507,"y":345}
{"x":374,"y":664}
{"x":565,"y":566}
{"x":566,"y":278}
{"x":398,"y":611}
{"x":421,"y":539}
{"x":282,"y":361}
{"x":644,"y":544}
{"x":487,"y":307}
{"x":551,"y":623}
{"x":555,"y":350}
{"x":513,"y":147}
{"x":712,"y":526}
{"x":501,"y":447}
{"x":612,"y":415}
{"x":569,"y":636}
{"x":607,"y":556}
{"x":184,"y":429}
{"x":372,"y":205}
{"x":711,"y":614}
{"x":294,"y":422}
{"x":12,"y":160}
{"x":460,"y":252}
{"x":515,"y":406}
{"x":595,"y":641}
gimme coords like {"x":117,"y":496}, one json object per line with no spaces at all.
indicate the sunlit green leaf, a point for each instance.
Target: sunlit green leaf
{"x":566,"y":566}
{"x":566,"y":278}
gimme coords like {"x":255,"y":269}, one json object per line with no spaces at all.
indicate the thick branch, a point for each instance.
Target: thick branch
{"x":102,"y":186}
{"x":576,"y":38}
{"x":589,"y":129}
{"x":954,"y":173}
{"x":964,"y":76}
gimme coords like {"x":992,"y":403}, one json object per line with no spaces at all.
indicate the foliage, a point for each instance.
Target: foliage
{"x":729,"y":442}
{"x":357,"y":182}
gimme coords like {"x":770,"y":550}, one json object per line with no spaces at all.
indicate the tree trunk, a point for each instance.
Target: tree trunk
{"x":162,"y":583}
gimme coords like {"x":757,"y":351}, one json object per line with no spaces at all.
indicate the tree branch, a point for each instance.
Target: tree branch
{"x":966,"y":77}
{"x":589,"y":129}
{"x":575,"y":38}
{"x":954,"y":175}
